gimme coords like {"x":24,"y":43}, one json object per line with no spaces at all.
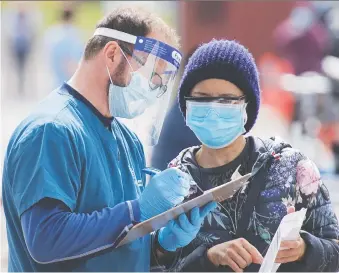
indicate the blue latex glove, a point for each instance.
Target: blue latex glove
{"x":179,"y":233}
{"x":164,"y":191}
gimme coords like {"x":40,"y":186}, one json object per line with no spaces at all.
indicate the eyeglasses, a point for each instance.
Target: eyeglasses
{"x":156,"y":83}
{"x":223,"y":100}
{"x":130,"y":53}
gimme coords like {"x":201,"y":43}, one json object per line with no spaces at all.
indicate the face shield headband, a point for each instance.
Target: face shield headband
{"x":154,"y":60}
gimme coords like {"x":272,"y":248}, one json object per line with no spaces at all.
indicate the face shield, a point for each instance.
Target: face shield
{"x":143,"y":103}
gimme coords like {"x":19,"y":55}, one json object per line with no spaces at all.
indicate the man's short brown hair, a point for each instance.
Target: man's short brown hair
{"x":133,"y":21}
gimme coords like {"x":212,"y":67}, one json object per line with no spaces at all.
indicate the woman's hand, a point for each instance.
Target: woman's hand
{"x":237,"y":254}
{"x":291,"y":251}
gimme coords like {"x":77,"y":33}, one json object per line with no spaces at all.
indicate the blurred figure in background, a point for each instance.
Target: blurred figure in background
{"x":170,"y":144}
{"x":64,"y":47}
{"x":21,"y":40}
{"x":303,"y":39}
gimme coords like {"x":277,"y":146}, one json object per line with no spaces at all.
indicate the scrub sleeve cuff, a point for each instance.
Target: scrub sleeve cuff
{"x":134,"y":210}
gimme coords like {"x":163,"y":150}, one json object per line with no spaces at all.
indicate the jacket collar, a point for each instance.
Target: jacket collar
{"x":262,"y":151}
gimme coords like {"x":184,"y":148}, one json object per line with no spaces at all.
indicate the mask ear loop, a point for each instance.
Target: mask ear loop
{"x":110,"y":94}
{"x":123,"y":53}
{"x":109,"y":75}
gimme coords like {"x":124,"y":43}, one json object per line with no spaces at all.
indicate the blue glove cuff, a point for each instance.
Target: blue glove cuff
{"x":158,"y":246}
{"x":161,"y":239}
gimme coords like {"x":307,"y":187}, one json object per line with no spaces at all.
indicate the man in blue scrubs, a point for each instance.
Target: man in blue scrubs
{"x":73,"y":184}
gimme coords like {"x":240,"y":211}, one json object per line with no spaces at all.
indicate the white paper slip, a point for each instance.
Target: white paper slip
{"x":218,"y":194}
{"x":288,"y":230}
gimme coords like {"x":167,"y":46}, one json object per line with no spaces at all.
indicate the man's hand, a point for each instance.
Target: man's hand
{"x":164,"y":191}
{"x":237,"y":254}
{"x":291,"y":251}
{"x":179,"y":233}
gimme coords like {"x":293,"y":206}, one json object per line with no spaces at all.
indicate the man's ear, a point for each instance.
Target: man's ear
{"x":112,"y":53}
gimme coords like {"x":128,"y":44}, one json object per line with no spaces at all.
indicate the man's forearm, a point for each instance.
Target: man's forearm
{"x":53,"y":233}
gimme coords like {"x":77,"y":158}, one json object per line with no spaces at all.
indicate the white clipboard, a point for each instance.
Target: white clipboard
{"x":218,"y":194}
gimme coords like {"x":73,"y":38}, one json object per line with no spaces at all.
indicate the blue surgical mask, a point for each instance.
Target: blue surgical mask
{"x":132,"y":100}
{"x":216,"y":125}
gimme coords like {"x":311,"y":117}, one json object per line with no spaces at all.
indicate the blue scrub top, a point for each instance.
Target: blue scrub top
{"x":63,"y":151}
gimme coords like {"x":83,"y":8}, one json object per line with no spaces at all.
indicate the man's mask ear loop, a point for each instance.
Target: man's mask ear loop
{"x":110,"y":93}
{"x":109,"y":74}
{"x":123,"y":53}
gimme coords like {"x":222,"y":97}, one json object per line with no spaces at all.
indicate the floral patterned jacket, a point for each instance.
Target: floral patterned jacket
{"x":291,"y":180}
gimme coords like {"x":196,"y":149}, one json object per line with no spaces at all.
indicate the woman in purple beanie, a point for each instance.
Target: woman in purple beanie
{"x":219,"y":97}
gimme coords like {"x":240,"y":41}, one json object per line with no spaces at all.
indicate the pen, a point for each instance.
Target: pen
{"x":153,"y":171}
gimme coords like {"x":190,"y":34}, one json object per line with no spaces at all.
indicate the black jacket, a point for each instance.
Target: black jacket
{"x":282,"y":176}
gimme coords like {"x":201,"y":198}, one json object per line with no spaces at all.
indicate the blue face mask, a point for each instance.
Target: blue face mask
{"x":216,"y":125}
{"x":132,"y":100}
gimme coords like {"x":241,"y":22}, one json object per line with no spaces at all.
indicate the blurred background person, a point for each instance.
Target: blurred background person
{"x":302,"y":38}
{"x":303,"y":41}
{"x":64,"y":46}
{"x":21,"y":39}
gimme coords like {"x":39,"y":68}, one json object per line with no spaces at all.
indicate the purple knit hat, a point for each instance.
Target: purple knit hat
{"x":228,"y":60}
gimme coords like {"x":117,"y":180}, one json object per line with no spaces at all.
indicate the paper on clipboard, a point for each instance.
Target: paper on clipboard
{"x":288,"y":230}
{"x":218,"y":194}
